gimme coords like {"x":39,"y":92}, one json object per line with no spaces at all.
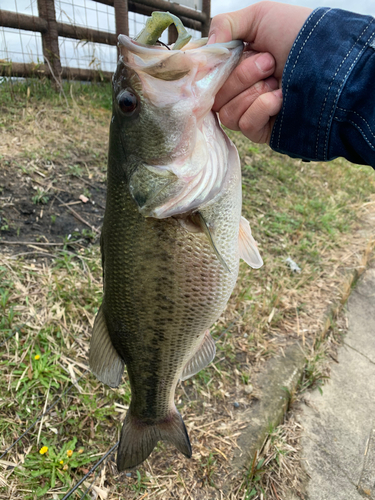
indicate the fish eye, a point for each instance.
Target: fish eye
{"x":128,"y":102}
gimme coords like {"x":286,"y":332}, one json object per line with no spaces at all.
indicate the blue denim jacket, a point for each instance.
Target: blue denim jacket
{"x":329,"y":90}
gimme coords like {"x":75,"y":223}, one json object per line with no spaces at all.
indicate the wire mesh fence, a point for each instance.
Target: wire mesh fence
{"x":23,"y":47}
{"x":20,"y":45}
{"x":84,"y":54}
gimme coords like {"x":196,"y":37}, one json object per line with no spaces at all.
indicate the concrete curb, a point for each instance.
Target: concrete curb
{"x":275,"y":385}
{"x":282,"y":374}
{"x":338,"y":437}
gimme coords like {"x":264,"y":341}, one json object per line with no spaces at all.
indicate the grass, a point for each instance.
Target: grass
{"x":309,"y":212}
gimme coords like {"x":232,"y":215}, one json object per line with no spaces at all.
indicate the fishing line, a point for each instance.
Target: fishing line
{"x":98,"y":472}
{"x":44,"y":414}
{"x":17,"y":330}
{"x":9,"y":337}
{"x":226,"y":330}
{"x":104,"y":457}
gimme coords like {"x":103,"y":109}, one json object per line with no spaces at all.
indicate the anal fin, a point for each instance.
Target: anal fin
{"x":202,"y":357}
{"x":105,"y":363}
{"x":247,"y":246}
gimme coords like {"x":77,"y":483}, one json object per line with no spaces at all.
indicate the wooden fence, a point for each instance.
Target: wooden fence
{"x":51,"y":29}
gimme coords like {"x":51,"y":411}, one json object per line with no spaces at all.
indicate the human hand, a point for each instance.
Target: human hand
{"x":251,"y":98}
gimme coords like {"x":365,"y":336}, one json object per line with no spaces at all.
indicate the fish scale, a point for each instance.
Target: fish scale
{"x":167,"y":295}
{"x":172,"y":234}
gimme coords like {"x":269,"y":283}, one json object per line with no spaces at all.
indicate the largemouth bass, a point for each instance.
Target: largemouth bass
{"x":172,"y":234}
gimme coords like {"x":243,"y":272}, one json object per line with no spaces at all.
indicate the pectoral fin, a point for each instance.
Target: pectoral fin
{"x":204,"y":355}
{"x":104,"y":361}
{"x":247,"y":246}
{"x":205,"y":228}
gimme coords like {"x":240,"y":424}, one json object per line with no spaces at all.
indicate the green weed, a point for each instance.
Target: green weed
{"x":141,"y":483}
{"x":41,"y":370}
{"x":40,"y":197}
{"x":75,"y":170}
{"x":53,"y":466}
{"x":92,"y":95}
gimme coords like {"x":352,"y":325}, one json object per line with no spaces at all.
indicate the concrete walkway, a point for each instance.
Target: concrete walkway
{"x":338,"y":440}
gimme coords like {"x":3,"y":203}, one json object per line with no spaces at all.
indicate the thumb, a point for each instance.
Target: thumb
{"x":236,"y":25}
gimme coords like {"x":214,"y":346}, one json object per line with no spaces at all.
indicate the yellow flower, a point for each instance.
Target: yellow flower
{"x":80,"y":450}
{"x":69,"y":453}
{"x":43,"y":450}
{"x":36,"y":357}
{"x":61,"y":462}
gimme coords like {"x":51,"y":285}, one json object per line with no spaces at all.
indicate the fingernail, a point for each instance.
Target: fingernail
{"x":211,"y":39}
{"x":278,"y":93}
{"x":265,"y":62}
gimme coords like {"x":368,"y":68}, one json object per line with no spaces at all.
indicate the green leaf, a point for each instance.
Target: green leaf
{"x":71,"y":444}
{"x":37,"y":473}
{"x":61,"y":475}
{"x":42,"y":491}
{"x":260,"y":463}
{"x":45,"y":383}
{"x":53,"y":477}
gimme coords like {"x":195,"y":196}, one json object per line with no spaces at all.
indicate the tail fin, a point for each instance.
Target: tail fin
{"x":139,"y":439}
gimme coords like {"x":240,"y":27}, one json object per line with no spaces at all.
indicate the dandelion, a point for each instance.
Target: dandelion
{"x":61,"y":462}
{"x":36,"y":357}
{"x":69,"y":453}
{"x":43,"y":450}
{"x":80,"y":450}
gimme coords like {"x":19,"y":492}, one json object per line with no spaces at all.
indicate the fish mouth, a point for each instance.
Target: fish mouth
{"x":126,"y":41}
{"x":158,"y":53}
{"x":168,"y":76}
{"x":157,"y":24}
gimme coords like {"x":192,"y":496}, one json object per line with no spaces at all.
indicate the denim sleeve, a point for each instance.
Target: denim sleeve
{"x":329,"y":90}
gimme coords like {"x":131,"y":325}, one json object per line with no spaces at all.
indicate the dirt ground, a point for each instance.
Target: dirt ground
{"x":58,"y":215}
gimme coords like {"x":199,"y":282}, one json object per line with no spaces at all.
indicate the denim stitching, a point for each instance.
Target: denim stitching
{"x":341,"y":85}
{"x":326,"y":97}
{"x":361,"y":117}
{"x":359,"y":128}
{"x":295,"y":63}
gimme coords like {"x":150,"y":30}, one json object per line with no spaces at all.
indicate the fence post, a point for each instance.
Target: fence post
{"x":121,"y":18}
{"x":206,"y":8}
{"x":50,"y":40}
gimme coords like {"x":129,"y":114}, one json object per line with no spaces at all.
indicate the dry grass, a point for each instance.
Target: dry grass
{"x":312,"y":214}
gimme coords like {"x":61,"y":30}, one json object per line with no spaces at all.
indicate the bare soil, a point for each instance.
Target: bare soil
{"x":59,"y":217}
{"x":50,"y":156}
